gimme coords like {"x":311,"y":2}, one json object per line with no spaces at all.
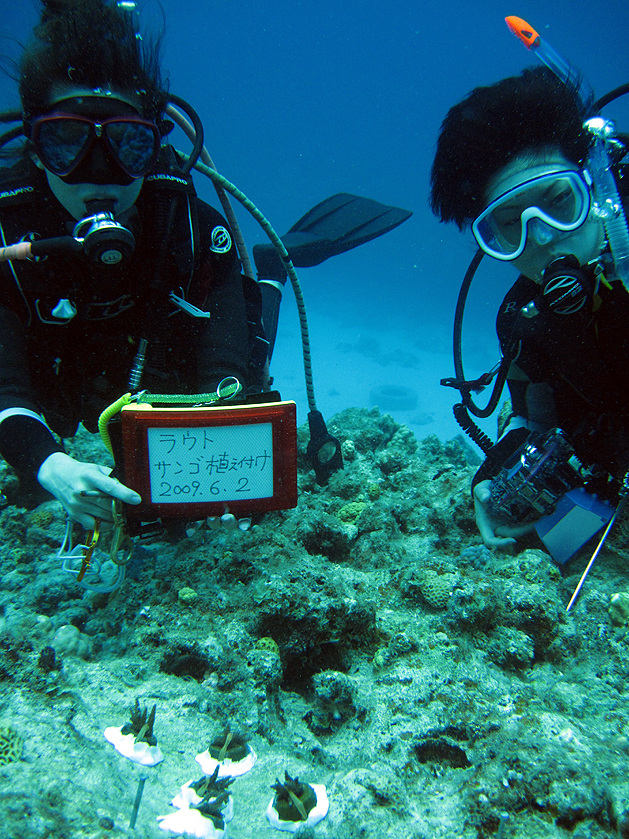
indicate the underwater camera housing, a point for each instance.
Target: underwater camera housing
{"x":543,"y":482}
{"x":534,"y":478}
{"x":195,"y":462}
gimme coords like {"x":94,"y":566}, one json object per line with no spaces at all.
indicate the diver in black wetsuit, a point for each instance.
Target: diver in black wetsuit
{"x":71,"y":325}
{"x":510,"y":161}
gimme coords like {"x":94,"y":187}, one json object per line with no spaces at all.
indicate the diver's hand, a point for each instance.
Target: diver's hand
{"x":494,"y":532}
{"x":66,"y":479}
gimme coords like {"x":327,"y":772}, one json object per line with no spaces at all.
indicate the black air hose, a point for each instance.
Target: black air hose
{"x":471,"y":429}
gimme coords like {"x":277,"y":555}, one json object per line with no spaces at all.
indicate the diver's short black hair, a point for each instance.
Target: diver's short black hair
{"x":491,"y":125}
{"x":90,"y":43}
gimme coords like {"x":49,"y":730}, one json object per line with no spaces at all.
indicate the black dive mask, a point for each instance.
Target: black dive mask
{"x":99,"y":167}
{"x":97,"y":140}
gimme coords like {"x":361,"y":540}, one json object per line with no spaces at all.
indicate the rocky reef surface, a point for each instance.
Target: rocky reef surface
{"x":365,"y":641}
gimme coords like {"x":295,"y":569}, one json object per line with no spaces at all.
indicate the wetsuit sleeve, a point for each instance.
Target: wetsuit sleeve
{"x":15,"y":386}
{"x":224,"y":341}
{"x":24,"y":441}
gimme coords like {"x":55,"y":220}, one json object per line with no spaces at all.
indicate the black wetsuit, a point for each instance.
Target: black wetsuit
{"x":571,"y":372}
{"x":70,"y":370}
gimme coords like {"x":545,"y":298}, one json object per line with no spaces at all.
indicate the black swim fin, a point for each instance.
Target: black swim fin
{"x":338,"y":224}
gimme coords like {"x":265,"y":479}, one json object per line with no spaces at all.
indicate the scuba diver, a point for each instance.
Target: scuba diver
{"x":74,"y":326}
{"x":115,"y":276}
{"x":521,"y":162}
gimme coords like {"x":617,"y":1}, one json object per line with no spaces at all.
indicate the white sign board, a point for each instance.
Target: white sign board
{"x":220,"y":463}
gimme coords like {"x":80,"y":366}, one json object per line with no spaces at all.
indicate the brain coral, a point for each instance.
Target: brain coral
{"x":436,"y":589}
{"x":267,"y":645}
{"x":10,"y":745}
{"x":41,"y":518}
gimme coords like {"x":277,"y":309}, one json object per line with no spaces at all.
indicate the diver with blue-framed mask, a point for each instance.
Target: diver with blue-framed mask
{"x":554,"y":202}
{"x":537,"y":175}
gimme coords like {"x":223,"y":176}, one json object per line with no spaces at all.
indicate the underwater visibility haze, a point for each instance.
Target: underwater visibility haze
{"x":299,"y":102}
{"x":365,"y":642}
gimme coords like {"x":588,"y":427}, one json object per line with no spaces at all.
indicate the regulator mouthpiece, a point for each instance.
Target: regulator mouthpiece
{"x":567,"y":287}
{"x":104,"y":240}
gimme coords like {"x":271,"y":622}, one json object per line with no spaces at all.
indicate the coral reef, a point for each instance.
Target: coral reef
{"x":436,"y":589}
{"x":366,"y":640}
{"x":11,"y":745}
{"x":619,"y":608}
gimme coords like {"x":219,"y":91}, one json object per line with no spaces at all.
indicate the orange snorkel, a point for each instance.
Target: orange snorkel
{"x":533,"y":41}
{"x":522,"y":30}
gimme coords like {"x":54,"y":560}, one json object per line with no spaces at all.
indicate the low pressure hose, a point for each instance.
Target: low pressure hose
{"x":197,"y":126}
{"x":482,"y":440}
{"x":233,"y":190}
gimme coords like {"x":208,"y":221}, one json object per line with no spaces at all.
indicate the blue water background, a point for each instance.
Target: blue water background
{"x":301,"y":100}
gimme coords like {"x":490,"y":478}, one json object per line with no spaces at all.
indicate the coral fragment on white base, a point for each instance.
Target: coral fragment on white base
{"x":125,"y":745}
